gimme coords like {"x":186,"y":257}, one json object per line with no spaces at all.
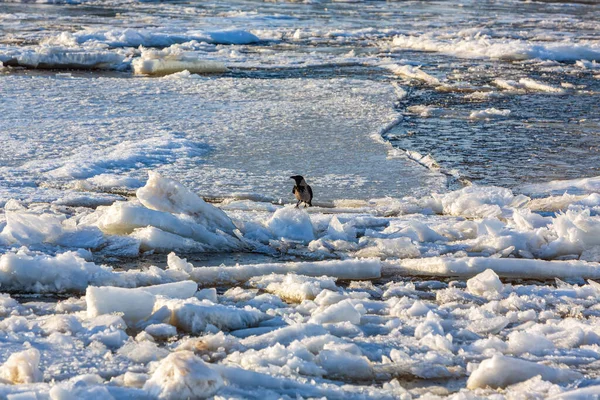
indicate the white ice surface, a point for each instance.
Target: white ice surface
{"x":307,"y":328}
{"x":205,"y":147}
{"x":290,"y":223}
{"x":485,"y":282}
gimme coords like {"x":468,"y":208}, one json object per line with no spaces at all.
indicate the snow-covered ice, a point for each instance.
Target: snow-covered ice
{"x":183,"y":375}
{"x":526,"y":84}
{"x":345,"y":318}
{"x":149,"y":243}
{"x":489,"y":114}
{"x":164,"y":62}
{"x":481,"y":45}
{"x":501,"y":371}
{"x":22,"y":367}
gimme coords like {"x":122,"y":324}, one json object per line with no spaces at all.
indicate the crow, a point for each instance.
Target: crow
{"x":302,"y":191}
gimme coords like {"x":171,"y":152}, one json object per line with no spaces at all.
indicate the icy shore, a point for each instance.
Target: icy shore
{"x":347,"y":313}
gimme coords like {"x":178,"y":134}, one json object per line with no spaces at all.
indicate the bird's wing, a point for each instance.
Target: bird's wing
{"x":310,"y":192}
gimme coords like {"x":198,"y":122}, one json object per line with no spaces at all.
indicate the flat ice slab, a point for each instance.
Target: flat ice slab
{"x":205,"y":133}
{"x":505,"y":267}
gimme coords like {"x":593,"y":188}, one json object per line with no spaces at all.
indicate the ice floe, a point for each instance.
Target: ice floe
{"x":500,"y":371}
{"x":526,"y":84}
{"x":22,"y":368}
{"x":489,"y":114}
{"x":170,"y":61}
{"x":484,"y":46}
{"x":152,"y":38}
{"x":60,"y":57}
{"x":507,"y":267}
{"x":183,"y":375}
{"x":559,"y":187}
{"x":343,"y":269}
{"x":411,"y":72}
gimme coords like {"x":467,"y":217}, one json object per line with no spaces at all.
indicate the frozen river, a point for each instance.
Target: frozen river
{"x":452,"y":148}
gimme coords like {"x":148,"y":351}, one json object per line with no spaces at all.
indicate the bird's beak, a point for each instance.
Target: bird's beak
{"x":291,"y":177}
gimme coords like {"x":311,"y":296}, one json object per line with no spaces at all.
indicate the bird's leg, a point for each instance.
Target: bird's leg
{"x":297,"y":204}
{"x":305,"y":205}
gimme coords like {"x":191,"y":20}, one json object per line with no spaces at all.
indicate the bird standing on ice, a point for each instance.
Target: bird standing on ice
{"x":302,"y":191}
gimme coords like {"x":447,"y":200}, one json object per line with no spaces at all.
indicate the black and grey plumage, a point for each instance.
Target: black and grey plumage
{"x":302,"y":191}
